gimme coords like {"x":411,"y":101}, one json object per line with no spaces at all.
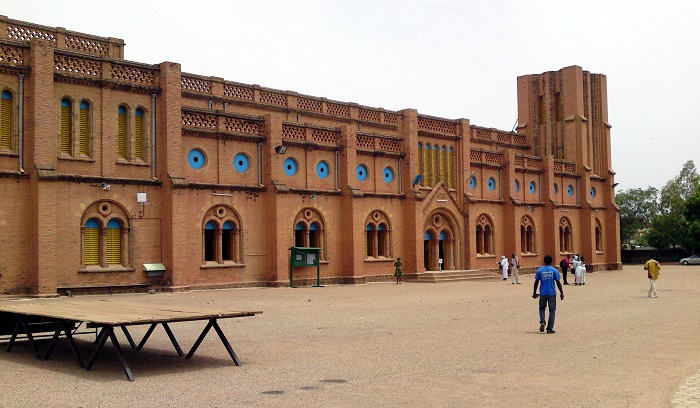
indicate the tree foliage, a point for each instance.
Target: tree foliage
{"x":673,"y":227}
{"x":638,"y":209}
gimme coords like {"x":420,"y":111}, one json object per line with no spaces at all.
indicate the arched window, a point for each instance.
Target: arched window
{"x":598,"y":236}
{"x":527,"y":236}
{"x":121,"y":132}
{"x":222,"y":242}
{"x":565,"y":236}
{"x":66,"y":126}
{"x":105,"y":235}
{"x":309,"y":231}
{"x":91,"y":242}
{"x":84,"y":125}
{"x":314,"y":235}
{"x":138,"y":134}
{"x":210,"y":241}
{"x":378,"y":234}
{"x":484,"y":235}
{"x":6,"y":120}
{"x":114,"y":242}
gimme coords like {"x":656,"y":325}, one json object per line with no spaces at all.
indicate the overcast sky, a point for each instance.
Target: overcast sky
{"x":446,"y":58}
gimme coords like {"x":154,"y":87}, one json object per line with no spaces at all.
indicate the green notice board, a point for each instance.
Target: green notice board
{"x":304,"y":256}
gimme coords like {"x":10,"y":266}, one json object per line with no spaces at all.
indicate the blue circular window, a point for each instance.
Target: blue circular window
{"x":556,"y":188}
{"x":362,"y":172}
{"x":592,"y":192}
{"x":491,"y":184}
{"x":570,"y":190}
{"x":196,"y":159}
{"x":517,"y":186}
{"x":388,"y":174}
{"x":533,"y":187}
{"x":322,"y":169}
{"x":241,"y":162}
{"x":472,"y":183}
{"x":290,"y":167}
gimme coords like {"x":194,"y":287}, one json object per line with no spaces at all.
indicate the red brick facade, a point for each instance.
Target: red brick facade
{"x":87,"y":131}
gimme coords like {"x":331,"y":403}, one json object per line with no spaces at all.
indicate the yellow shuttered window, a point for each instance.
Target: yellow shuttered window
{"x":429,"y":164}
{"x":121,"y":132}
{"x":65,"y":126}
{"x":6,"y":120}
{"x":436,"y":168}
{"x":91,"y":243}
{"x":113,"y":248}
{"x":443,"y":168}
{"x":451,"y":156}
{"x":84,"y":128}
{"x":420,"y":163}
{"x":138,"y":134}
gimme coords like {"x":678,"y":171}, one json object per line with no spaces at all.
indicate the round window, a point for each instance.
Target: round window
{"x":290,"y":167}
{"x":472,"y":183}
{"x":388,"y":174}
{"x":362,"y":172}
{"x":491,"y":184}
{"x":592,"y":192}
{"x":533,"y":187}
{"x":556,"y":188}
{"x":570,"y":190}
{"x":322,"y":169}
{"x":196,"y":159}
{"x":241,"y":162}
{"x":517,"y":186}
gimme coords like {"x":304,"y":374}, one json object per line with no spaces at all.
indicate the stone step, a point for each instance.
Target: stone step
{"x":455,"y":276}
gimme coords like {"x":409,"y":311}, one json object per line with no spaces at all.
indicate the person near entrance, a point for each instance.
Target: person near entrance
{"x":545,"y":277}
{"x":398,"y":270}
{"x":514,"y":268}
{"x":564,"y":264}
{"x":504,"y":267}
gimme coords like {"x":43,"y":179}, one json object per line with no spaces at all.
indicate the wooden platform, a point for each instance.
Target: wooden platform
{"x":61,"y":314}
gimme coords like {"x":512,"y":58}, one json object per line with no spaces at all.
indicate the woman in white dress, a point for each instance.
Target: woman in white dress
{"x":577,"y":271}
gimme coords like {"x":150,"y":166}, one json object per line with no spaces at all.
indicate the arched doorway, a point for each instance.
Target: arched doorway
{"x":440,"y":246}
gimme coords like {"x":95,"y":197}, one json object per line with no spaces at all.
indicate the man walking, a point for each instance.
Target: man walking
{"x":514,"y":268}
{"x":545,"y":277}
{"x":652,"y":267}
{"x":564,"y":264}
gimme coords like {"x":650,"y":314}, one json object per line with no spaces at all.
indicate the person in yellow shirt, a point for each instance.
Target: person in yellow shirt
{"x":652,"y":267}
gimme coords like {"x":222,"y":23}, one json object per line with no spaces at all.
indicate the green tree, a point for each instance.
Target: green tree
{"x":671,"y":228}
{"x":692,"y":219}
{"x":638,"y":208}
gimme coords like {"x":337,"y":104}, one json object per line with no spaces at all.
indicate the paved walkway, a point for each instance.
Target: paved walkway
{"x":411,"y":345}
{"x":688,"y":394}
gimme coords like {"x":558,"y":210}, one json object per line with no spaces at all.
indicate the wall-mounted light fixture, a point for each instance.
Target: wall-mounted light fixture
{"x":313,"y":196}
{"x":615,"y":185}
{"x":281,"y":149}
{"x":531,"y":208}
{"x":222,"y":194}
{"x":105,"y":186}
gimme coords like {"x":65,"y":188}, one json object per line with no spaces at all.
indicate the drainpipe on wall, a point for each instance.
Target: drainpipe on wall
{"x":20,"y":142}
{"x":153,"y":136}
{"x":260,"y":145}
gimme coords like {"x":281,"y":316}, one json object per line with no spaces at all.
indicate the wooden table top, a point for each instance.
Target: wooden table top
{"x":107,"y":312}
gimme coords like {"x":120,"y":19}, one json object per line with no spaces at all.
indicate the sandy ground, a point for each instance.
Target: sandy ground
{"x":463,"y":344}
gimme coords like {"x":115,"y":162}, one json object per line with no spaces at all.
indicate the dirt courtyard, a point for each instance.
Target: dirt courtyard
{"x":462,"y":344}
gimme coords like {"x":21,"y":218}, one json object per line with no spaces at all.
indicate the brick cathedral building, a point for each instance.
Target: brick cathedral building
{"x":107,"y":165}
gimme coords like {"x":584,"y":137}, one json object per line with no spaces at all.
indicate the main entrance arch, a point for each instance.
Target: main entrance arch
{"x":441,"y":242}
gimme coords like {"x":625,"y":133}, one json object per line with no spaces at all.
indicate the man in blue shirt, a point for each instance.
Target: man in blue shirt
{"x":545,"y":277}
